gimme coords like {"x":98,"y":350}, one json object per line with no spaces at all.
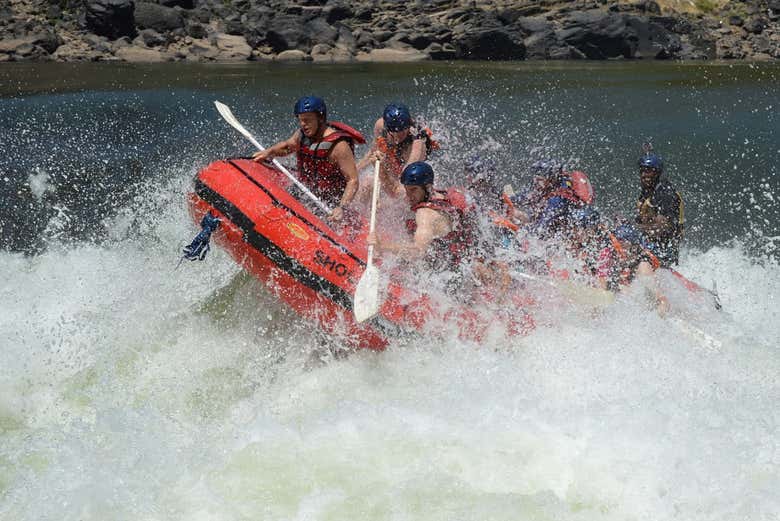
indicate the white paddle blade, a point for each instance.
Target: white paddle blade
{"x":228,"y":116}
{"x":366,"y":302}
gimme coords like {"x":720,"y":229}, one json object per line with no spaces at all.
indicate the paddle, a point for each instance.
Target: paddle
{"x":366,"y":302}
{"x":226,"y":113}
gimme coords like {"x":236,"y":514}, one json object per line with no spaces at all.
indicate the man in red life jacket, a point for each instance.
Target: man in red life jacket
{"x":325,"y":150}
{"x":398,"y":142}
{"x":441,"y":230}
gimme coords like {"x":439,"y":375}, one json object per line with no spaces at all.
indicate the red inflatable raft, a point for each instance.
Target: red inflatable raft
{"x":308,"y":265}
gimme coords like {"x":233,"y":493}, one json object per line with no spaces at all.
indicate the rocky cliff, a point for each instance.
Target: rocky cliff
{"x":386,"y":30}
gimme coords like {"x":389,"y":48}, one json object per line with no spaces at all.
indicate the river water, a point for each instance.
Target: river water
{"x":130,"y":390}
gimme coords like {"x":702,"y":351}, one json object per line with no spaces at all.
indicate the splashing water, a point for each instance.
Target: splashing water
{"x":130,"y":390}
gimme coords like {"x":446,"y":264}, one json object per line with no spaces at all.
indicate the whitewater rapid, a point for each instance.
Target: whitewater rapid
{"x":133,"y":390}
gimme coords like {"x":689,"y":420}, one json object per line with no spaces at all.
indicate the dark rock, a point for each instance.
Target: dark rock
{"x":535,"y":24}
{"x":98,"y":43}
{"x":420,"y":41}
{"x":319,"y":31}
{"x":110,"y":18}
{"x":510,"y":16}
{"x":736,"y":20}
{"x":346,"y":39}
{"x":200,"y":15}
{"x":756,"y":25}
{"x":774,"y":5}
{"x":539,"y":44}
{"x":363,"y":14}
{"x":285,"y":33}
{"x":195,"y":30}
{"x":653,"y":40}
{"x":490,"y":44}
{"x":152,"y":38}
{"x":338,"y":12}
{"x":441,"y":52}
{"x":234,"y":25}
{"x":157,"y":17}
{"x":673,"y":24}
{"x":382,"y":36}
{"x":54,"y":12}
{"x":184,"y":4}
{"x":599,"y":35}
{"x":366,"y":40}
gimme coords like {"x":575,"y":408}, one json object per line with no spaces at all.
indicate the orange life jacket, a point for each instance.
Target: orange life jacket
{"x":394,"y":152}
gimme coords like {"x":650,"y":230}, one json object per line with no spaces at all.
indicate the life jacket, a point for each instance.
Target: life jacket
{"x":394,"y":152}
{"x":575,"y":188}
{"x":449,"y":251}
{"x":315,"y":170}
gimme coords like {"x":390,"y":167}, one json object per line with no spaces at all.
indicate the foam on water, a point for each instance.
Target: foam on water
{"x":131,"y":390}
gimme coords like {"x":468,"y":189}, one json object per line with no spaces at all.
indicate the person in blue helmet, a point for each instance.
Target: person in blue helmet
{"x":325,"y":153}
{"x":660,"y":210}
{"x":398,"y":142}
{"x":441,"y":231}
{"x":546,"y":206}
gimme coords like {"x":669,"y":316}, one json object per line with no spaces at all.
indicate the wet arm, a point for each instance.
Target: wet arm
{"x":282,"y":148}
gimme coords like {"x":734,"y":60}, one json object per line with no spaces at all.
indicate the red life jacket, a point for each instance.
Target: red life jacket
{"x":576,"y":188}
{"x":449,"y":251}
{"x":395,"y":152}
{"x":315,"y":170}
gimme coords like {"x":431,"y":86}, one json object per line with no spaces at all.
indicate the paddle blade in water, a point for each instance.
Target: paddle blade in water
{"x":366,"y":303}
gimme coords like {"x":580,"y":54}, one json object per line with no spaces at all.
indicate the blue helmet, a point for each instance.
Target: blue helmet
{"x":629,"y":233}
{"x":311,"y":104}
{"x":418,"y":173}
{"x":478,"y":166}
{"x":397,"y":118}
{"x":585,"y":217}
{"x":549,"y":168}
{"x":651,"y":160}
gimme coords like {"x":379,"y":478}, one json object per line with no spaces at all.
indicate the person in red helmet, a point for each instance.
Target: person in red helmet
{"x":325,"y":152}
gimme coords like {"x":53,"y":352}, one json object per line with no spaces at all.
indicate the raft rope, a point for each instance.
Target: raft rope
{"x":199,"y":246}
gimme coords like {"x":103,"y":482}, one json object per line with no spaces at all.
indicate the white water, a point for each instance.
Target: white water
{"x":129,"y":390}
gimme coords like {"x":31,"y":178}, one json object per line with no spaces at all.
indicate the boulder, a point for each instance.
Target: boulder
{"x":392,"y":55}
{"x":599,"y":35}
{"x":33,"y":46}
{"x":184,"y":4}
{"x":157,"y":17}
{"x":140,"y":55}
{"x":489,"y":44}
{"x":653,"y":40}
{"x":539,"y":45}
{"x":231,"y":47}
{"x":756,"y":25}
{"x":152,"y":38}
{"x":320,"y":31}
{"x":292,"y":55}
{"x":110,"y":18}
{"x":337,"y":12}
{"x":285,"y":33}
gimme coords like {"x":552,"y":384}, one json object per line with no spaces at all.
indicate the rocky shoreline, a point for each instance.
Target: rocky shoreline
{"x":337,"y":31}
